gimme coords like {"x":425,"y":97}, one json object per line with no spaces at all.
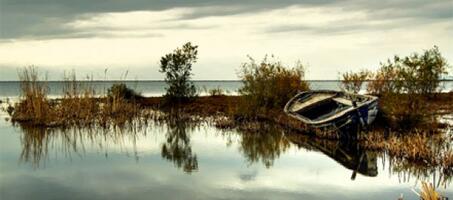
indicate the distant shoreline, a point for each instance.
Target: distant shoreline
{"x":9,"y":81}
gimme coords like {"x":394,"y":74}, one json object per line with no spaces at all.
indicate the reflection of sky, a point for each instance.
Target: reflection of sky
{"x":223,"y":172}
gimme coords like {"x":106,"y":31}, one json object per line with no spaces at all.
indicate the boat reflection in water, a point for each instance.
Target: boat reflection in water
{"x":345,"y":152}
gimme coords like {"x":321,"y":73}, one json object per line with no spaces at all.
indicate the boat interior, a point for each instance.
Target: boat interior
{"x":323,"y":105}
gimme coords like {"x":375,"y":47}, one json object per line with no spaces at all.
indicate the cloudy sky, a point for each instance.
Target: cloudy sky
{"x":131,"y":35}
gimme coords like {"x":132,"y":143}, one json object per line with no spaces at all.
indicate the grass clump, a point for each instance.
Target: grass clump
{"x":177,"y":67}
{"x":34,"y":105}
{"x":268,"y":84}
{"x":78,"y":104}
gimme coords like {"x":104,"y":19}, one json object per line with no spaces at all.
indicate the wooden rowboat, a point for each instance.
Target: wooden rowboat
{"x":332,"y":109}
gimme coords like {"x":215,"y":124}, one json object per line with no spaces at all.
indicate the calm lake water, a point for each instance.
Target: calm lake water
{"x":181,"y":160}
{"x":148,"y":88}
{"x":9,"y":89}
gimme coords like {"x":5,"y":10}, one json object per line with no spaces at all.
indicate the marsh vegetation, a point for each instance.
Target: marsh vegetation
{"x":408,"y":131}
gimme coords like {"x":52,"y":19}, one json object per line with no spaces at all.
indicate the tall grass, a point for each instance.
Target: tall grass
{"x":428,"y":149}
{"x":79,"y":104}
{"x":34,"y":104}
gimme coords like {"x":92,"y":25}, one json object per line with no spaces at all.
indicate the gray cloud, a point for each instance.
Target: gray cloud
{"x":45,"y":19}
{"x":336,"y":27}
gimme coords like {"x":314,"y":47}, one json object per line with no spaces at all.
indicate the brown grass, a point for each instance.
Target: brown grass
{"x":428,"y":192}
{"x":34,"y":106}
{"x":78,"y":106}
{"x":425,"y":149}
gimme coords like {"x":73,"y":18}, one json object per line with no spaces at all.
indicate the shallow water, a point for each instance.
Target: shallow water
{"x":179,"y":160}
{"x":193,"y":161}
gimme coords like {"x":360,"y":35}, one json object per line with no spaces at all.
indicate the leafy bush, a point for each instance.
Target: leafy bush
{"x":384,"y":81}
{"x":121,"y":91}
{"x":177,"y":67}
{"x":352,"y":82}
{"x":404,"y":84}
{"x":414,"y":74}
{"x":268,"y":84}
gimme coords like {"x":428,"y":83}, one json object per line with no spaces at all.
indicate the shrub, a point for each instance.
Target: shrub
{"x":352,"y":82}
{"x":121,"y":105}
{"x":268,"y":84}
{"x":177,"y":67}
{"x":216,"y":92}
{"x":414,"y":74}
{"x":404,"y":84}
{"x":422,"y":73}
{"x":384,"y":81}
{"x":120,"y":90}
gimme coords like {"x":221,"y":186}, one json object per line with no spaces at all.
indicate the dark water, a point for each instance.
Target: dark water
{"x":178,"y":160}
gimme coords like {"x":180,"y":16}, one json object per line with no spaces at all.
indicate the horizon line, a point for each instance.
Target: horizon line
{"x":200,"y":80}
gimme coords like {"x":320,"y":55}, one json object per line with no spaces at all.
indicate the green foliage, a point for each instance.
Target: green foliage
{"x":421,"y":73}
{"x":414,"y":74}
{"x":177,"y":67}
{"x":405,"y":84}
{"x":268,"y":84}
{"x":352,"y":82}
{"x":121,"y":91}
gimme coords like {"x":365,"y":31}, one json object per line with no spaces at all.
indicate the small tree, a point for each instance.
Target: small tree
{"x":177,"y":67}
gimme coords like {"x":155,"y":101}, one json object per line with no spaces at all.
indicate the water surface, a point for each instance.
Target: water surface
{"x":179,"y":160}
{"x":185,"y":161}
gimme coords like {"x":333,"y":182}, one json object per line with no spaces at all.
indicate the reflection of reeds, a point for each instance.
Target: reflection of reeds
{"x":39,"y":143}
{"x":429,"y":192}
{"x":418,"y":153}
